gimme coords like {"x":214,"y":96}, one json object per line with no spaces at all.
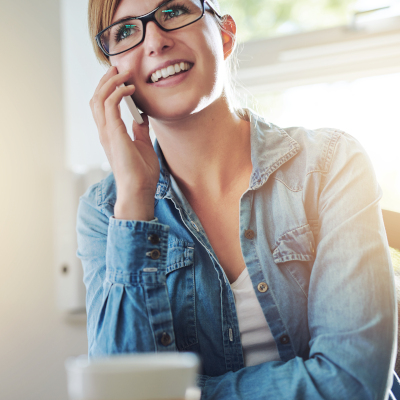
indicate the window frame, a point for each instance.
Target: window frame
{"x":340,"y":53}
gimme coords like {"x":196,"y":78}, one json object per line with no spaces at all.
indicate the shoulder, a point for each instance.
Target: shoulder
{"x":300,"y":151}
{"x":320,"y":154}
{"x":320,"y":149}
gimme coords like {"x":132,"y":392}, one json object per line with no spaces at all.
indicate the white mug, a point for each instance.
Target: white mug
{"x":144,"y":376}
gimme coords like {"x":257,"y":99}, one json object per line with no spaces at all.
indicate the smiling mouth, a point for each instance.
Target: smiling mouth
{"x":172,"y":70}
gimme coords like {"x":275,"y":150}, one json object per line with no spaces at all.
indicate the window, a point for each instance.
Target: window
{"x":345,"y":77}
{"x":366,"y":108}
{"x":259,"y":19}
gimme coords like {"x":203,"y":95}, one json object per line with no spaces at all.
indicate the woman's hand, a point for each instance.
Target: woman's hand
{"x":134,"y":163}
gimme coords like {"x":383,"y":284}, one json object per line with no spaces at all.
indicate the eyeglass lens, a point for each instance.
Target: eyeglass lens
{"x":175,"y":14}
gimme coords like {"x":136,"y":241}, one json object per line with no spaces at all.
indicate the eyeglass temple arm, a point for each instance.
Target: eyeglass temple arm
{"x":209,"y":3}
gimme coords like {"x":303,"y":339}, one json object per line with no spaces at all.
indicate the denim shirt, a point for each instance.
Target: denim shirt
{"x":314,"y":243}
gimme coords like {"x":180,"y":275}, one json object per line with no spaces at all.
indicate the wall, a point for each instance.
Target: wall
{"x":81,"y":75}
{"x":35,"y":338}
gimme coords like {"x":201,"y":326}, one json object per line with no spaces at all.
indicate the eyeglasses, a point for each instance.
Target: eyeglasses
{"x":129,"y":32}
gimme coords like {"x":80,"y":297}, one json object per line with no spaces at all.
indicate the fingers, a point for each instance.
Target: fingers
{"x":141,"y":131}
{"x":107,"y":85}
{"x":105,"y":106}
{"x":112,"y":71}
{"x":111,"y":84}
{"x":111,"y":110}
{"x":94,"y":101}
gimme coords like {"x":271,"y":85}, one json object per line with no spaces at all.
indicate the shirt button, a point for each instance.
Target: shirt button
{"x":165,"y":339}
{"x":154,"y":254}
{"x":249,"y":234}
{"x":154,"y":239}
{"x":284,"y":339}
{"x":262,"y":287}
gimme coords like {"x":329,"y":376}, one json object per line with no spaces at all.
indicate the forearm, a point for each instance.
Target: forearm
{"x":135,"y":312}
{"x":134,"y":208}
{"x":124,"y":265}
{"x":313,"y":379}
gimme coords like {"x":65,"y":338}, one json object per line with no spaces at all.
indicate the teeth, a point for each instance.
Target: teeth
{"x":170,"y":70}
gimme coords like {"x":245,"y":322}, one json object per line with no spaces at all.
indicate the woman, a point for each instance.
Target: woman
{"x":261,"y":249}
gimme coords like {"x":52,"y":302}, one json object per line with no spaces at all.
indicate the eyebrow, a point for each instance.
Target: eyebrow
{"x":137,"y":16}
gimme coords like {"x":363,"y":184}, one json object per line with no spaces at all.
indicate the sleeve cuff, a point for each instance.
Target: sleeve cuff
{"x":153,"y":220}
{"x":134,"y":246}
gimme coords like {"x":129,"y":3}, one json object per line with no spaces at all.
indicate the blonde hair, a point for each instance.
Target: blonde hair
{"x":100,"y":15}
{"x":232,"y":85}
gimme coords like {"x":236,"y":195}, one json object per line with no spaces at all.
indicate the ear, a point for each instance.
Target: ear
{"x":229,"y":36}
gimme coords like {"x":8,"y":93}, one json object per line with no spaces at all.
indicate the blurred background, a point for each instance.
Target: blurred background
{"x":311,"y":63}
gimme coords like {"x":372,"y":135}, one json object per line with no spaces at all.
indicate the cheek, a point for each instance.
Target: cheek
{"x":213,"y":51}
{"x":212,"y":35}
{"x":123,"y":63}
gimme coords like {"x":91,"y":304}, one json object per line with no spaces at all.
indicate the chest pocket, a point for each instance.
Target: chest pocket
{"x":295,"y":251}
{"x":181,"y":291}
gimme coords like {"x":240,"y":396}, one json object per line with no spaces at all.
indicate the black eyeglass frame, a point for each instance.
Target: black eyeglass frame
{"x":150,"y":17}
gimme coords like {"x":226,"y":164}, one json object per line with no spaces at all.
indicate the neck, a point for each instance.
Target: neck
{"x":208,"y":153}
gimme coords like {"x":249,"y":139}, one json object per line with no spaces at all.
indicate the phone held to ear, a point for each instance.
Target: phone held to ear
{"x":133,"y":109}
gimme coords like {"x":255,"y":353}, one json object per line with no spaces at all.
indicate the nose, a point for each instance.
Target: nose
{"x":156,"y":40}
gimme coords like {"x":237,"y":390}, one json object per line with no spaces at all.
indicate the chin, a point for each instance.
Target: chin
{"x":178,"y":103}
{"x":175,"y":109}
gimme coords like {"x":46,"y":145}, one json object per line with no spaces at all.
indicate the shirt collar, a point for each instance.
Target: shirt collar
{"x":271,"y":147}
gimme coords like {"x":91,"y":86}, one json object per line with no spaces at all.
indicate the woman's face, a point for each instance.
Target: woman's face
{"x":199,"y":44}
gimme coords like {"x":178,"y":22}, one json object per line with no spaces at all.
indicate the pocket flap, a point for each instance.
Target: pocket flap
{"x":180,"y":254}
{"x":297,"y":244}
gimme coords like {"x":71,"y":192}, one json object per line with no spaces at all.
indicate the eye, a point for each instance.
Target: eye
{"x":124,"y":31}
{"x":175,"y":11}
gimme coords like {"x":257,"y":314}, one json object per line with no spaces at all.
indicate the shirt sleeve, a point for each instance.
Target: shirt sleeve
{"x":351,"y":305}
{"x":124,"y":264}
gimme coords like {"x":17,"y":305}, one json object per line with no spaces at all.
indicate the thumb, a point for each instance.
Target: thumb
{"x":141,"y":131}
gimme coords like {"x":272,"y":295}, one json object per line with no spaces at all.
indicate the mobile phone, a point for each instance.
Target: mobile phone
{"x":133,"y":109}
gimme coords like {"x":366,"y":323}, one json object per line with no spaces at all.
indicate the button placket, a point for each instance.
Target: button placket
{"x":194,"y":226}
{"x":284,"y":339}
